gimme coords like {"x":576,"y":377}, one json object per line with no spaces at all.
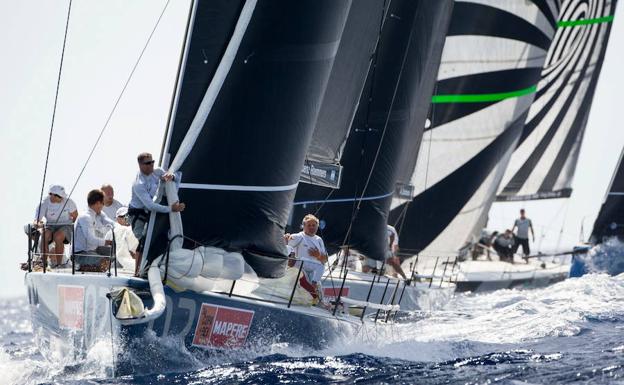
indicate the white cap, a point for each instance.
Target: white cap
{"x":122,"y":211}
{"x":58,"y":190}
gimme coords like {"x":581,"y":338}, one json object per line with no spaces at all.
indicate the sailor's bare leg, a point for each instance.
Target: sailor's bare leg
{"x":59,"y":247}
{"x":47,"y":237}
{"x":395,"y":262}
{"x":137,"y":262}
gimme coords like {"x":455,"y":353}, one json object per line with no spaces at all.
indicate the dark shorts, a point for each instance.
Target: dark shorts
{"x":138,"y":220}
{"x":68,"y":230}
{"x":525,"y":245}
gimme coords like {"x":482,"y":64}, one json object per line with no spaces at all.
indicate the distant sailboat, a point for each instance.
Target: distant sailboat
{"x":492,"y":60}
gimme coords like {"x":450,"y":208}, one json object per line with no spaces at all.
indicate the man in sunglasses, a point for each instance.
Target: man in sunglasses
{"x":59,"y":213}
{"x":144,"y":190}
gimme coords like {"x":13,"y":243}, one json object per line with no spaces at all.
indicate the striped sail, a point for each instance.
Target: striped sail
{"x":491,"y":64}
{"x":543,"y":164}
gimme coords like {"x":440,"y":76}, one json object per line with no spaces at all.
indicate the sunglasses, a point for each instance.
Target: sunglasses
{"x":56,"y":195}
{"x":147,"y":163}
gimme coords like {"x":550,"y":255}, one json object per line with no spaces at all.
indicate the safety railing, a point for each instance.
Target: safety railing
{"x":36,"y":235}
{"x":287,"y":302}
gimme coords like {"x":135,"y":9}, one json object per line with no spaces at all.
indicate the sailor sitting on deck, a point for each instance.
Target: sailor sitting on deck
{"x":86,"y":240}
{"x":111,"y":205}
{"x":503,"y":245}
{"x":125,"y":241}
{"x":59,"y":213}
{"x":310,"y":249}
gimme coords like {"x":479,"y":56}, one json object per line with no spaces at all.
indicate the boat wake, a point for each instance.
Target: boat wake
{"x":507,"y":329}
{"x":608,"y":257}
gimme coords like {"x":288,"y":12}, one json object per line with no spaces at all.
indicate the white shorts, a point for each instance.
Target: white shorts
{"x":313,"y":270}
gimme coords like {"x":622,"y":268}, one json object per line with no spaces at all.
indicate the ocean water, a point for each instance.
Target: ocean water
{"x":571,"y":332}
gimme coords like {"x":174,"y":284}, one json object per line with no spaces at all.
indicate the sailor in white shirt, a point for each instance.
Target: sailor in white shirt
{"x":125,"y":241}
{"x":310,"y":248}
{"x":142,"y":203}
{"x":59,"y":213}
{"x":111,"y":205}
{"x":86,"y":239}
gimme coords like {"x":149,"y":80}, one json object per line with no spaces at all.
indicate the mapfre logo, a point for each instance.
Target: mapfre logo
{"x":71,"y":307}
{"x":222,"y":327}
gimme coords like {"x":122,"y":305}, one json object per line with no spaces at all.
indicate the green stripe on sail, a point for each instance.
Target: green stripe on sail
{"x":480,"y":98}
{"x":574,"y":23}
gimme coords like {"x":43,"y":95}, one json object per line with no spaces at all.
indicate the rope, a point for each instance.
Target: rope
{"x":58,"y":85}
{"x":110,"y":115}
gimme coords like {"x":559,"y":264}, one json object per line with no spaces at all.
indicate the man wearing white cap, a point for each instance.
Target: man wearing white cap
{"x":59,"y":213}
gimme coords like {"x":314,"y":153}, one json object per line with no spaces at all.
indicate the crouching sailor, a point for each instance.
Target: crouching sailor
{"x":310,"y":249}
{"x":90,"y":253}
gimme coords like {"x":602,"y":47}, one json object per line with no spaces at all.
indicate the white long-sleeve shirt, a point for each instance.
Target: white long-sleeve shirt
{"x":144,"y":190}
{"x":301,"y":243}
{"x":85,"y":236}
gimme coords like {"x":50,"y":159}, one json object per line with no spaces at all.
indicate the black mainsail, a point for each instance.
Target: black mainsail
{"x":492,"y":61}
{"x":388,"y":124}
{"x":346,"y":83}
{"x":253,"y":80}
{"x":610,"y":220}
{"x":543,"y":164}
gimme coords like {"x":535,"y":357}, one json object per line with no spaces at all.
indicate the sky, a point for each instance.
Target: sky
{"x":104,"y":41}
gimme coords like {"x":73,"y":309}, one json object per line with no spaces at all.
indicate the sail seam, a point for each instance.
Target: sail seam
{"x":344,"y":199}
{"x":233,"y":187}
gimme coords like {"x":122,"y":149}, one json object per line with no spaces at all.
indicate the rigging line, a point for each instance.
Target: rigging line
{"x":385,"y":127}
{"x":384,"y":11}
{"x":58,"y":86}
{"x":110,"y":115}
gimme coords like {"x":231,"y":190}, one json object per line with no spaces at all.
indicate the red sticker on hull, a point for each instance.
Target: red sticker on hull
{"x":71,"y":307}
{"x":332,"y":292}
{"x":222,"y":327}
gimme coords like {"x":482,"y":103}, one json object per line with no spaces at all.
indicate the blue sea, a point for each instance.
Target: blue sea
{"x":568,"y":333}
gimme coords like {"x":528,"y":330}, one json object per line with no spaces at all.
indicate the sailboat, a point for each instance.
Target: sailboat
{"x":382,"y":124}
{"x":251,"y":81}
{"x":486,"y":85}
{"x":543,"y":164}
{"x":607,"y":233}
